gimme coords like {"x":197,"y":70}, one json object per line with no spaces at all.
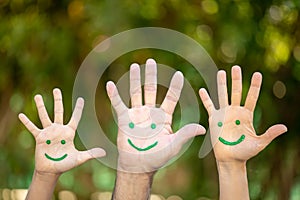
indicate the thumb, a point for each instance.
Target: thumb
{"x":90,"y":154}
{"x":273,"y":132}
{"x":187,"y":132}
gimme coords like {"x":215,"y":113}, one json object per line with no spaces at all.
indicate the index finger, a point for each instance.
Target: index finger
{"x":173,"y":94}
{"x":253,"y":92}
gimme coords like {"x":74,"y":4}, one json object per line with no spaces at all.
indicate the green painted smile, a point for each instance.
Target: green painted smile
{"x":56,"y":159}
{"x":232,"y":143}
{"x":142,"y":149}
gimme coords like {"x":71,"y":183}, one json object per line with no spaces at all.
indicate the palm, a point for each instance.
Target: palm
{"x":145,"y":139}
{"x":232,"y":131}
{"x":55,"y":151}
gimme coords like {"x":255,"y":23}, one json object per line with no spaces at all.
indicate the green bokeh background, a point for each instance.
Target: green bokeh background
{"x":43,"y":43}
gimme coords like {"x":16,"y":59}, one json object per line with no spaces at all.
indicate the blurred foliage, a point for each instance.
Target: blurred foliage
{"x":43,"y":42}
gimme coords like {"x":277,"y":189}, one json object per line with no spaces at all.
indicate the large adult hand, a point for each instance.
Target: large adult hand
{"x":145,"y":138}
{"x":231,"y":126}
{"x":55,"y":152}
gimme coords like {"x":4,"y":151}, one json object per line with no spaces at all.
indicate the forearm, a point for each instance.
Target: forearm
{"x":42,"y":186}
{"x":233,"y":181}
{"x":132,"y":186}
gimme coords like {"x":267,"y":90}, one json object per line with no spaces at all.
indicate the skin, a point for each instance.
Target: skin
{"x":55,"y":152}
{"x":236,"y":131}
{"x":145,"y":139}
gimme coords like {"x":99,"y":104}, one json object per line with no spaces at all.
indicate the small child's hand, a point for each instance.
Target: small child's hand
{"x":231,"y":127}
{"x":55,"y":152}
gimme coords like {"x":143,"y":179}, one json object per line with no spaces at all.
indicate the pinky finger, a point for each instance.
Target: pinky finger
{"x":29,"y":125}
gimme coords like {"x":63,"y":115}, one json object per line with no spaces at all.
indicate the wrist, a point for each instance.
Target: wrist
{"x":233,"y":180}
{"x":45,"y":176}
{"x":42,"y":185}
{"x":131,"y":186}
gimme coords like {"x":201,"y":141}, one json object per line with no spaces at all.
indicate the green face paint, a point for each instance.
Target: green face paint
{"x":56,"y":159}
{"x":153,"y":126}
{"x":237,"y":122}
{"x":220,"y":124}
{"x":131,"y":125}
{"x":232,"y":143}
{"x":142,"y":149}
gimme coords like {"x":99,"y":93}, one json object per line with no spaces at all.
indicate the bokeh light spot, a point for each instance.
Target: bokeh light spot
{"x":210,"y":6}
{"x":279,"y":89}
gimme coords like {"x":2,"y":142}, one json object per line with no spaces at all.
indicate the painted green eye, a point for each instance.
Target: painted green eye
{"x":220,"y":124}
{"x":131,"y":125}
{"x":237,"y":122}
{"x":48,"y":142}
{"x":153,"y":126}
{"x":63,"y":142}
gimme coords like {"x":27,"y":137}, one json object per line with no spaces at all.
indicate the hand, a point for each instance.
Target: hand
{"x":231,"y":127}
{"x":55,"y":152}
{"x":145,"y":139}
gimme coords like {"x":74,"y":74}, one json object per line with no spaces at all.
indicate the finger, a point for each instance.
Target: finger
{"x":173,"y":94}
{"x":272,"y":133}
{"x":135,"y":86}
{"x":42,"y":111}
{"x":76,"y":116}
{"x":222,"y":89}
{"x":150,"y":82}
{"x":253,"y":92}
{"x":29,"y":125}
{"x":90,"y":154}
{"x":58,"y":106}
{"x":236,"y":89}
{"x":184,"y":134}
{"x":207,"y":102}
{"x":115,"y":98}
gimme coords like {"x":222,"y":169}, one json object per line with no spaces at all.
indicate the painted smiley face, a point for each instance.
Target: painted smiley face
{"x":237,"y":122}
{"x":59,"y":158}
{"x":153,"y":126}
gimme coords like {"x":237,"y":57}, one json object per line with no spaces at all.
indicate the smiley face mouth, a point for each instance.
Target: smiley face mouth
{"x":142,"y":149}
{"x":56,"y":159}
{"x":232,"y":143}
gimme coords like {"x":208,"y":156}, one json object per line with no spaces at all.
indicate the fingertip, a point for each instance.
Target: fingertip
{"x":236,"y":68}
{"x":134,"y":67}
{"x":38,"y":97}
{"x":21,"y":116}
{"x":80,"y":100}
{"x":178,"y":76}
{"x":178,"y":73}
{"x":257,"y":76}
{"x":110,"y":87}
{"x":283,"y":128}
{"x":201,"y":130}
{"x":202,"y":91}
{"x":221,"y":72}
{"x":98,"y":152}
{"x":150,"y":61}
{"x":56,"y":91}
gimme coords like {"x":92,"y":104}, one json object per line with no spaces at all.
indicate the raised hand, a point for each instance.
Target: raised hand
{"x":232,"y":133}
{"x":231,"y":127}
{"x":145,"y":139}
{"x":55,"y":152}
